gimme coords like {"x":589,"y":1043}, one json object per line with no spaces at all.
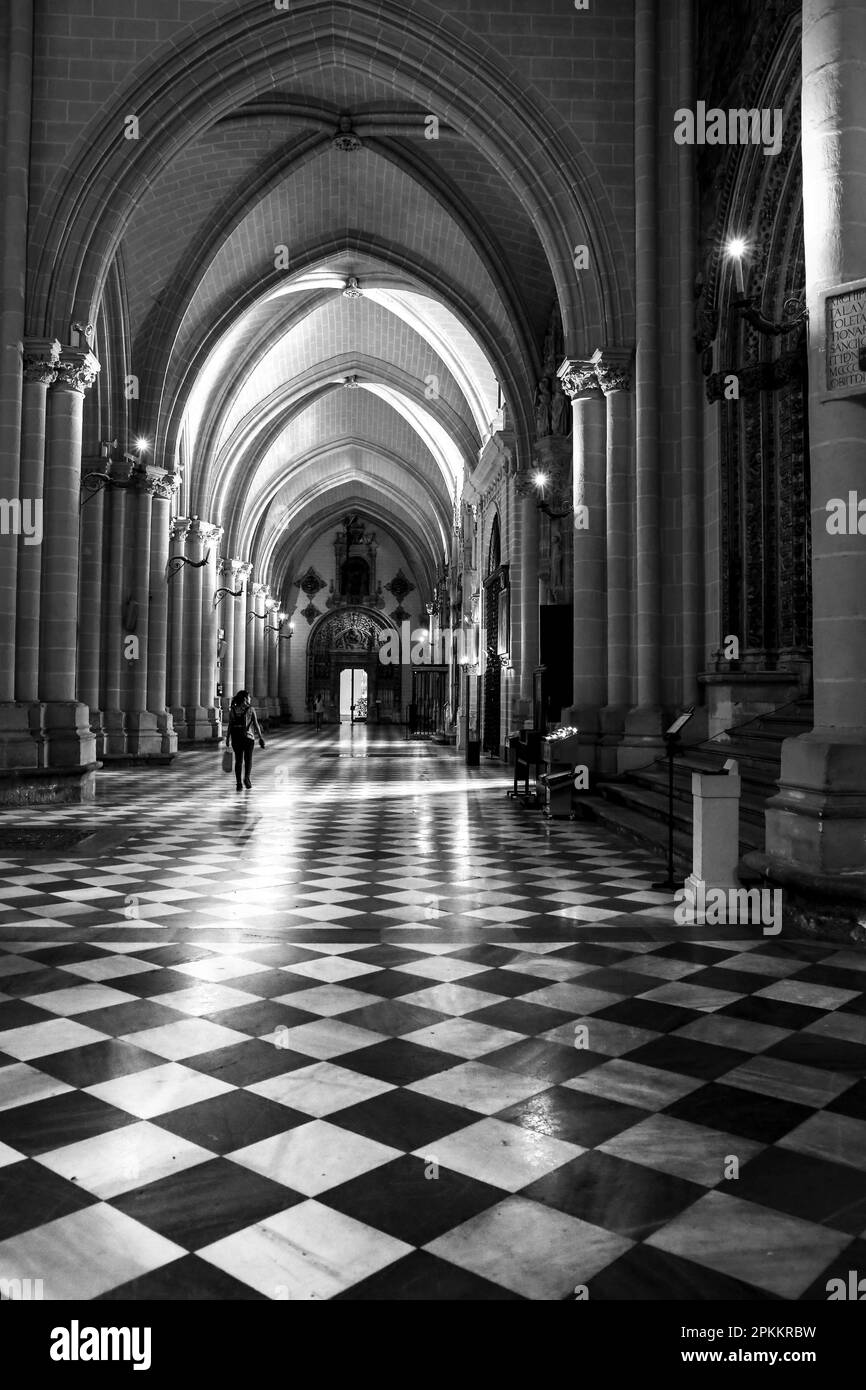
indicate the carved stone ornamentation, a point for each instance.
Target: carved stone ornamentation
{"x":311,"y":583}
{"x":346,"y":140}
{"x":40,"y":360}
{"x":311,"y":613}
{"x":77,"y":369}
{"x":399,"y":586}
{"x":578,"y":378}
{"x":759,"y":346}
{"x":613,"y":370}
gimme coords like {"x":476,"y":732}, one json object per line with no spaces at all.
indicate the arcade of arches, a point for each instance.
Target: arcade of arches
{"x":332,"y":326}
{"x":300,"y":325}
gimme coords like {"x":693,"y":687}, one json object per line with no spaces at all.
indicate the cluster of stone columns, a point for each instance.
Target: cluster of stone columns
{"x":607,"y":665}
{"x":191,"y":579}
{"x":122,"y":610}
{"x":44,"y":727}
{"x":816,"y":825}
{"x":225,"y":636}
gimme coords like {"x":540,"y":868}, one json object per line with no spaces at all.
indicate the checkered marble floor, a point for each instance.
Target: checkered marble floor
{"x":247,"y":1098}
{"x":362,"y":832}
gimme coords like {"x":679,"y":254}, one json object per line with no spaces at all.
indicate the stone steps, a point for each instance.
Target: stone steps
{"x":637,"y":802}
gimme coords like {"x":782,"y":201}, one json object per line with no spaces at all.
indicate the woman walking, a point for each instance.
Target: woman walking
{"x":243,"y":730}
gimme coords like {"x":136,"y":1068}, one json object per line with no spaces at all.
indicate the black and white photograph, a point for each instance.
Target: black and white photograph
{"x":433,"y":669}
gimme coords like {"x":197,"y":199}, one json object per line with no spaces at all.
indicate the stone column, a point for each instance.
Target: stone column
{"x":241,"y":605}
{"x":175,"y":570}
{"x":94,"y":483}
{"x":165,"y":487}
{"x":141,"y":644}
{"x":68,"y":741}
{"x":614,"y":376}
{"x":21,"y":554}
{"x":284,"y":668}
{"x":225,"y":619}
{"x":690,"y":442}
{"x":816,"y":825}
{"x":251,"y":622}
{"x":208,"y":669}
{"x":580,"y":384}
{"x":195,"y":716}
{"x":260,"y":680}
{"x":40,"y":371}
{"x":16,"y":45}
{"x":120,"y":540}
{"x":526,"y":619}
{"x":141,"y":500}
{"x":644,"y":723}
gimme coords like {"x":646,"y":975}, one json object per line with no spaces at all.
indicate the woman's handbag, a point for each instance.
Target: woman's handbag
{"x":228,"y":760}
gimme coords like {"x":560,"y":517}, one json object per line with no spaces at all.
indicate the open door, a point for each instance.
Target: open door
{"x":353,"y":695}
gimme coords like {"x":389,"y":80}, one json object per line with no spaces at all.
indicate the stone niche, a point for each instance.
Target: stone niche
{"x":355,"y":579}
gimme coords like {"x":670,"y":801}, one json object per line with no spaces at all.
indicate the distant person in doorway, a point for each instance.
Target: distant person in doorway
{"x":319,"y":710}
{"x":243,"y":730}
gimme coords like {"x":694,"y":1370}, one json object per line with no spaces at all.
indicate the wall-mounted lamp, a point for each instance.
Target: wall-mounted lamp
{"x":746,"y":305}
{"x":540,"y":481}
{"x":220,"y":595}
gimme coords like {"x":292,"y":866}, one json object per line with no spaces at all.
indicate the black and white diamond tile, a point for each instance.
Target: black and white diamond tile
{"x":476,"y":1141}
{"x":355,"y":1040}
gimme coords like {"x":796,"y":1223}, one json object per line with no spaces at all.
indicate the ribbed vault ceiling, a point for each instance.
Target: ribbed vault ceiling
{"x":236,"y":262}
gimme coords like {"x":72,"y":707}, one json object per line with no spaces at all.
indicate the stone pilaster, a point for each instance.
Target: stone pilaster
{"x":524,"y":613}
{"x":229,"y":589}
{"x":242,"y":604}
{"x":67,"y":739}
{"x":40,"y":371}
{"x":165,"y":488}
{"x":201,"y":550}
{"x":94,"y":484}
{"x":580,"y":384}
{"x":174,"y":583}
{"x":816,"y":825}
{"x":150,"y":731}
{"x":116,"y":608}
{"x":613,"y":368}
{"x":208,"y":673}
{"x":261,"y":592}
{"x":21,"y":560}
{"x":644,"y":723}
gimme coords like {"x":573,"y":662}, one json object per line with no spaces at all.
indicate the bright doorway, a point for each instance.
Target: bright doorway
{"x":353,"y":695}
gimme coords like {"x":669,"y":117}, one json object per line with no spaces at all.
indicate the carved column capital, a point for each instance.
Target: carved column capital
{"x":205,"y":531}
{"x":259,"y":590}
{"x":579,"y":379}
{"x":154,"y":481}
{"x":41,"y":356}
{"x":614,"y":369}
{"x":178,"y":528}
{"x":77,"y":370}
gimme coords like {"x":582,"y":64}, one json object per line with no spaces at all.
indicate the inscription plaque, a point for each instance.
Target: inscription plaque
{"x":845,"y":327}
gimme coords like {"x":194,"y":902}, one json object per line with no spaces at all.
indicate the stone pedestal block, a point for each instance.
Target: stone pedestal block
{"x":716,"y":841}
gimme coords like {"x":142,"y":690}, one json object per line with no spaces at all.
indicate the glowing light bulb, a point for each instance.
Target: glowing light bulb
{"x":736,"y":250}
